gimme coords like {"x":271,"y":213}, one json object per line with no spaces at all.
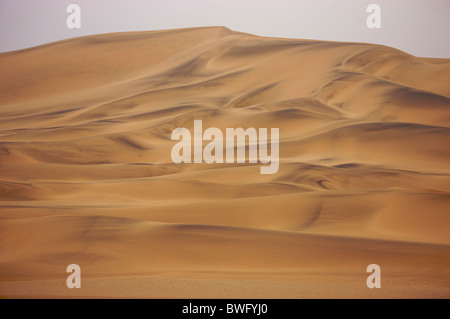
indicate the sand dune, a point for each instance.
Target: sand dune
{"x":86,"y":175}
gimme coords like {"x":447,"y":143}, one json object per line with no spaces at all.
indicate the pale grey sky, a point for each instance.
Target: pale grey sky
{"x":419,"y":27}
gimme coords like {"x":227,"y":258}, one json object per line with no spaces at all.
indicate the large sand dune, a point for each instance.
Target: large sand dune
{"x":86,"y":175}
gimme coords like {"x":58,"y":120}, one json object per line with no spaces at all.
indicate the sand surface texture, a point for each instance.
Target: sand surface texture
{"x":86,"y":175}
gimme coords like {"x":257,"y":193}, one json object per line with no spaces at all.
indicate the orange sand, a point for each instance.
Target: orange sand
{"x":86,"y":175}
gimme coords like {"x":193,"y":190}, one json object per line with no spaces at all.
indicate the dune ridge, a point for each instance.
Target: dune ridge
{"x":86,"y":175}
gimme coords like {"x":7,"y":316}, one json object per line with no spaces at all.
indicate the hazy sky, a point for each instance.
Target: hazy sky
{"x":419,"y":27}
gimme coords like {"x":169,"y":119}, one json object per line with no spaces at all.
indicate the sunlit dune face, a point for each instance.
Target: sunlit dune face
{"x":87,"y":175}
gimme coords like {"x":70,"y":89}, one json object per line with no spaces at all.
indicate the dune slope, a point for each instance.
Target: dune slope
{"x":86,"y":175}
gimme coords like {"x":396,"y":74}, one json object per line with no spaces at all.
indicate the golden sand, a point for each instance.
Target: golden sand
{"x":86,"y":175}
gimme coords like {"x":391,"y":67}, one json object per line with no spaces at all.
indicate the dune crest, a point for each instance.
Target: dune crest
{"x":86,"y":175}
